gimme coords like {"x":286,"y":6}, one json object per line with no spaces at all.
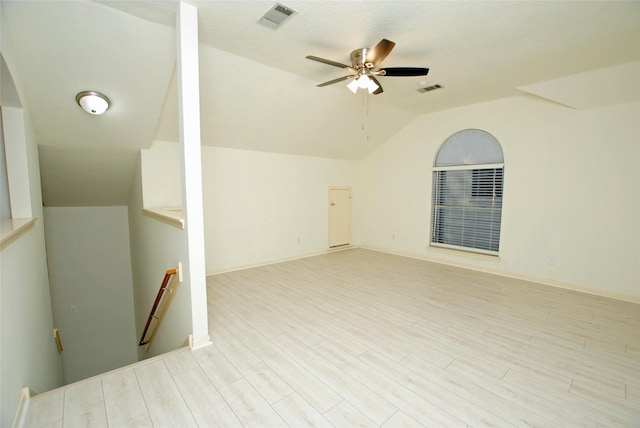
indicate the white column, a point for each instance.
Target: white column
{"x":189,"y":126}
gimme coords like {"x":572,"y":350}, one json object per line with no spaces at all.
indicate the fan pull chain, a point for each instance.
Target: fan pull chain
{"x":365,"y":118}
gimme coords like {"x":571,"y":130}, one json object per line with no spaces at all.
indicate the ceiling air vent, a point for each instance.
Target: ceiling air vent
{"x":275,"y":16}
{"x":428,"y":88}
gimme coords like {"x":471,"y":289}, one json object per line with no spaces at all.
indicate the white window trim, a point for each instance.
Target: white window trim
{"x":465,"y":249}
{"x":459,"y":160}
{"x":471,"y":166}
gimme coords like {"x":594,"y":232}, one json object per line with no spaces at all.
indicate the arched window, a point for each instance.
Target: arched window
{"x":467,"y":193}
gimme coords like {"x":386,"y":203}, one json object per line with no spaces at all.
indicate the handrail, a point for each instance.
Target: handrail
{"x":152,"y":314}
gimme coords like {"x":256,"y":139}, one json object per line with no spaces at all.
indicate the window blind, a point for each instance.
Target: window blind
{"x":467,"y":207}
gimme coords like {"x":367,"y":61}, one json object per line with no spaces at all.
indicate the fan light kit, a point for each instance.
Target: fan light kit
{"x":363,"y":82}
{"x":93,"y":102}
{"x":364,"y":68}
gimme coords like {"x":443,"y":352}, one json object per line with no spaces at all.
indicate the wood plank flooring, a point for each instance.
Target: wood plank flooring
{"x":358,"y":338}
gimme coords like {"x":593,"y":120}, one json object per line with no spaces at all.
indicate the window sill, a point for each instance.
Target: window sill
{"x":463,"y":253}
{"x":12,"y":229}
{"x":172,"y":216}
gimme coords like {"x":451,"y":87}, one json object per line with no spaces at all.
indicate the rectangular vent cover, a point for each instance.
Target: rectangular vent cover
{"x":275,"y":16}
{"x":429,"y":88}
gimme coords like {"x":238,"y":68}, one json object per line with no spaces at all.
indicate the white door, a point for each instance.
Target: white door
{"x":339,"y":216}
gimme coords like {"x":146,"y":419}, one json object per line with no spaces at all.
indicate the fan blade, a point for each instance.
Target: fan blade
{"x":329,"y":62}
{"x":379,"y":90}
{"x":379,"y":52}
{"x":404,"y":71}
{"x":331,"y":82}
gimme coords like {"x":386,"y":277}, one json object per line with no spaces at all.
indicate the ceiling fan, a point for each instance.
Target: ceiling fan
{"x":365,"y":67}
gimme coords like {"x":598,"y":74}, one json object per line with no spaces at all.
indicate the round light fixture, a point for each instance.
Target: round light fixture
{"x":363,"y":81}
{"x":93,"y":102}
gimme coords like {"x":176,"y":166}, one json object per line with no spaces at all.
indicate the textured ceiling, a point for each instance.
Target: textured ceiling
{"x":258,"y":90}
{"x":605,"y":86}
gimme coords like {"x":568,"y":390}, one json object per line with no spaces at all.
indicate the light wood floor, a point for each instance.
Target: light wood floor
{"x":360,"y":338}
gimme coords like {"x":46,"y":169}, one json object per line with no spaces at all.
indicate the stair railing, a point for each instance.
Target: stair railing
{"x":170,"y":284}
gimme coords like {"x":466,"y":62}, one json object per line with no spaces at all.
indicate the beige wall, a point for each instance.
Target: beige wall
{"x":161,"y":175}
{"x":571,"y":195}
{"x":155,"y":248}
{"x":571,"y":191}
{"x":28,"y":354}
{"x":261,"y":207}
{"x":90,"y":270}
{"x":258,"y":207}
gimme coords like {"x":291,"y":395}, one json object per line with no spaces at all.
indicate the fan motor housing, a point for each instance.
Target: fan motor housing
{"x":358,"y":58}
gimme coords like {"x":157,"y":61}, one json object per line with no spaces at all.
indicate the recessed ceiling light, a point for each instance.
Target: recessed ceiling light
{"x":93,"y":102}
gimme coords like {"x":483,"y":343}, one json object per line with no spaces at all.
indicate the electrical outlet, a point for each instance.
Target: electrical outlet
{"x":551,"y":260}
{"x":73,"y":309}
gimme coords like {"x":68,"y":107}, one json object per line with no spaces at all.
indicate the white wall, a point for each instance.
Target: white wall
{"x":571,"y":191}
{"x":5,"y":204}
{"x":570,"y":212}
{"x":90,"y":270}
{"x":28,"y":354}
{"x":161,"y":175}
{"x":256,"y":204}
{"x":261,"y":207}
{"x":155,"y":248}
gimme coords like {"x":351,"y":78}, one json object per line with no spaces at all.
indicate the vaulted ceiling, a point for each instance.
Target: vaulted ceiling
{"x":258,"y":90}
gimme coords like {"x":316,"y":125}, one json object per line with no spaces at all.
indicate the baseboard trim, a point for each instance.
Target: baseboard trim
{"x":200,"y":342}
{"x":286,"y":259}
{"x":537,"y":280}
